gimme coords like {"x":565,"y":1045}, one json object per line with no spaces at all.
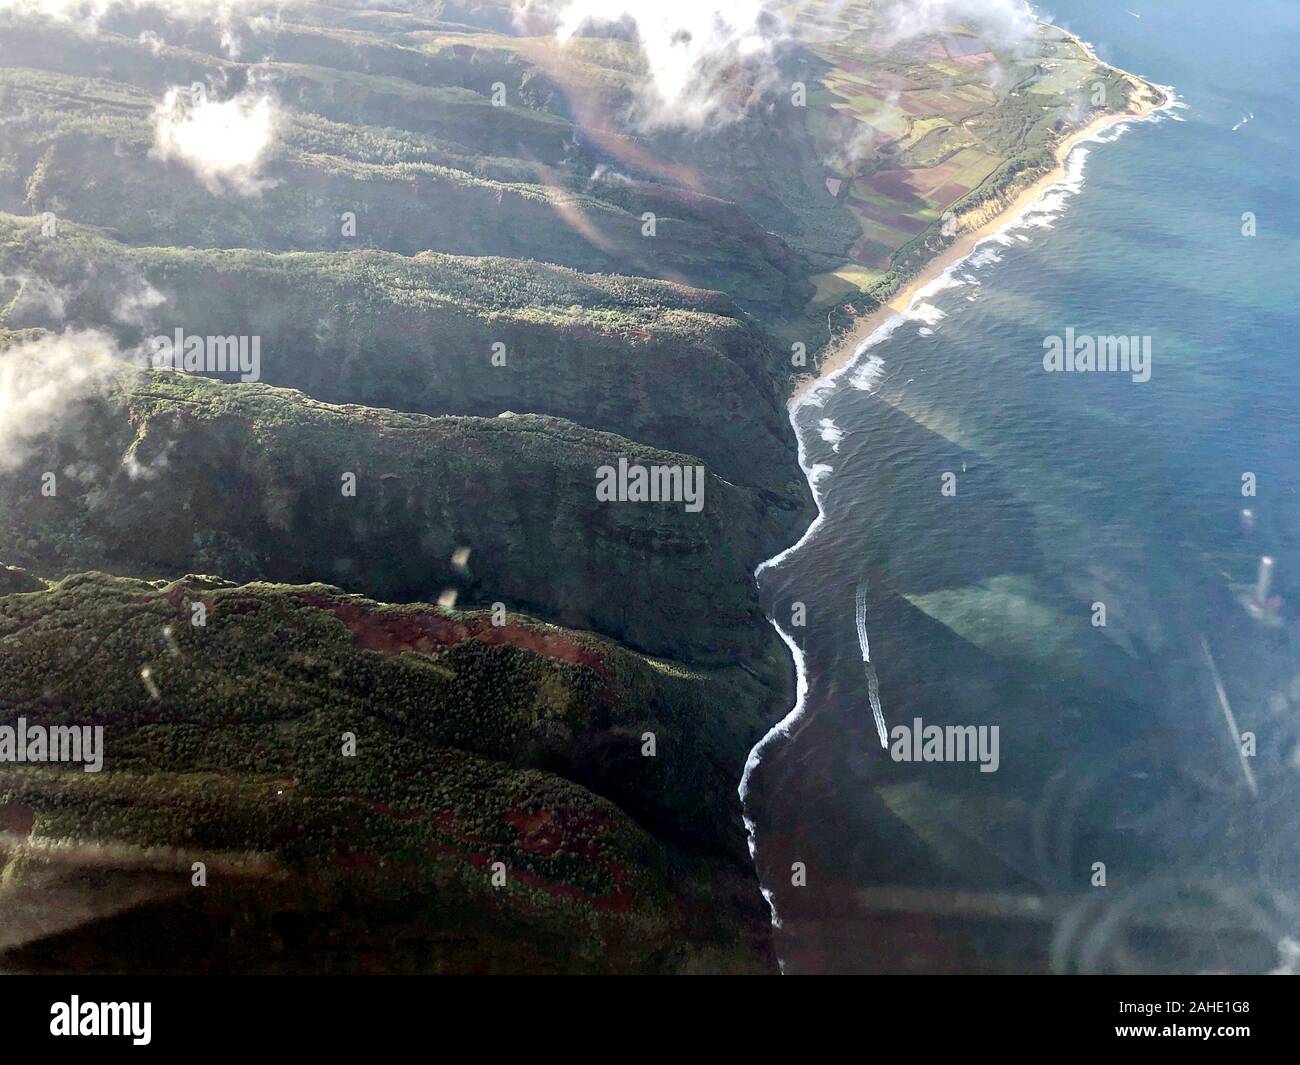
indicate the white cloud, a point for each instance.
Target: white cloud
{"x":136,"y":300}
{"x":1007,"y":24}
{"x":32,"y":295}
{"x":35,"y":302}
{"x":224,"y":142}
{"x":231,"y":17}
{"x":847,"y":152}
{"x":707,"y":61}
{"x":88,"y":13}
{"x":42,"y":381}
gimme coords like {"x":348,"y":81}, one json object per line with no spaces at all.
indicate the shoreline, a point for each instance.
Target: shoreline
{"x":840,"y":354}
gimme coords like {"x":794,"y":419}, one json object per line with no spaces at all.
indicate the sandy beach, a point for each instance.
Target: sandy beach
{"x":841,"y":351}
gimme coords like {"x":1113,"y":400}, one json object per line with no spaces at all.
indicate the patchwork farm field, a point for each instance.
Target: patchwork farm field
{"x":938,"y":124}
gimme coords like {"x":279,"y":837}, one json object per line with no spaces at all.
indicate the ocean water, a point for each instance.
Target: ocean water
{"x":1144,"y":814}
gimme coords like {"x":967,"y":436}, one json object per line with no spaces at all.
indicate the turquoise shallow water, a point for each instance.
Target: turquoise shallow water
{"x":1071,"y":490}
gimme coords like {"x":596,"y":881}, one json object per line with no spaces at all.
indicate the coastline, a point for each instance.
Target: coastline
{"x":841,"y":353}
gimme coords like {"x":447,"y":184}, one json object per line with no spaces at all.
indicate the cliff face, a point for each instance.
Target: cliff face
{"x":551,"y":694}
{"x":170,"y":473}
{"x":677,"y":368}
{"x":621,"y":857}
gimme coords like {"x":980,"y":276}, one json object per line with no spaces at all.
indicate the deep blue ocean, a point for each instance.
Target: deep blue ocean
{"x":1145,"y":810}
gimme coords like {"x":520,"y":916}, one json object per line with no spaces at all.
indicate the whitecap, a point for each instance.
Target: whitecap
{"x":866,"y":375}
{"x":927,"y":313}
{"x":831,"y":433}
{"x":984,"y":256}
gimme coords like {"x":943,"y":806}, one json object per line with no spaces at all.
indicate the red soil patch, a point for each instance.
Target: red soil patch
{"x":870,"y":253}
{"x":392,"y":632}
{"x":949,"y":193}
{"x":905,"y":223}
{"x":898,"y":185}
{"x":17,"y":818}
{"x":534,"y":830}
{"x":540,"y":832}
{"x":917,"y":108}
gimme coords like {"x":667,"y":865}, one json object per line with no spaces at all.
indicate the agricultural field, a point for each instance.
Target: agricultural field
{"x":929,"y":126}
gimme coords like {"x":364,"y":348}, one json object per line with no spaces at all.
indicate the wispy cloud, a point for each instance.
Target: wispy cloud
{"x":706,"y":61}
{"x":1004,"y":24}
{"x":43,"y":381}
{"x":224,"y":142}
{"x":88,"y":13}
{"x":233,"y":17}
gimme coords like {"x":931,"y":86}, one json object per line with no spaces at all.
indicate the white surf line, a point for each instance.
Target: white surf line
{"x":1231,"y":718}
{"x":786,"y":724}
{"x":781,"y":728}
{"x":877,"y":711}
{"x":861,"y":605}
{"x":873,"y":684}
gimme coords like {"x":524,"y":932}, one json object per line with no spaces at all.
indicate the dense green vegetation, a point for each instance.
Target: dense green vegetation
{"x":418,"y":335}
{"x":462,"y":731}
{"x":171,"y":473}
{"x":68,"y":140}
{"x":404,"y":234}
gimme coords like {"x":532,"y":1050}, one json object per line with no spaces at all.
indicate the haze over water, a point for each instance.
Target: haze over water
{"x":1071,"y":490}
